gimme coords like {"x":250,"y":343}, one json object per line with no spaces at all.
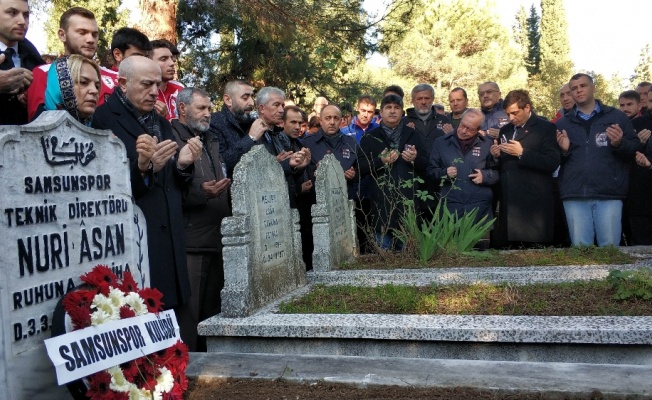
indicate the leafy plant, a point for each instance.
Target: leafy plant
{"x":631,"y":284}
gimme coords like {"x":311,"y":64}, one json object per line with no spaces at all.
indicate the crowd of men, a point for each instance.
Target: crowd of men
{"x":581,"y":179}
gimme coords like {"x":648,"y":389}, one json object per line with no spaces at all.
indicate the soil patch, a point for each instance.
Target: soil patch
{"x":494,"y":258}
{"x":587,"y":298}
{"x":282,"y":390}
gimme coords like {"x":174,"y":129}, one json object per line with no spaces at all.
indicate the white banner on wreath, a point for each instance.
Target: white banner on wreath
{"x":96,"y":348}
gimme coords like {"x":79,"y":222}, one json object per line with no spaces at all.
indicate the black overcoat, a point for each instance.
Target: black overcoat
{"x":526,"y":210}
{"x":386,"y":206}
{"x":160,"y":199}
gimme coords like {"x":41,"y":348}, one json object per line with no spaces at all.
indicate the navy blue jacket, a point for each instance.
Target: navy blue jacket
{"x":346,"y":152}
{"x":446,"y":152}
{"x":592,"y":168}
{"x":496,"y":117}
{"x":231,"y":136}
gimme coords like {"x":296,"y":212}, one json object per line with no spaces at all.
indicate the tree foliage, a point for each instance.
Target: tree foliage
{"x":301,"y":46}
{"x":533,"y":60}
{"x":109,"y":19}
{"x":643,"y":71}
{"x":555,"y":66}
{"x":457,"y":43}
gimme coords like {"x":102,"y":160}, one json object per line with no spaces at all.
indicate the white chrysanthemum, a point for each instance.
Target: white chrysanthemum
{"x":101,"y":302}
{"x":117,"y":297}
{"x":165,"y":380}
{"x":99,"y":317}
{"x":139,"y":394}
{"x":136,"y":303}
{"x":118,"y":381}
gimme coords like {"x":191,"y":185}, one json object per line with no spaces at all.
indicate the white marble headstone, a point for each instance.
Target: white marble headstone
{"x":333,"y":219}
{"x":66,"y":207}
{"x":262,"y":243}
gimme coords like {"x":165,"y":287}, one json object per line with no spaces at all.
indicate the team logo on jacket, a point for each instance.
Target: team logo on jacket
{"x":476,"y":151}
{"x":601,"y":139}
{"x":346,"y":153}
{"x":108,"y":81}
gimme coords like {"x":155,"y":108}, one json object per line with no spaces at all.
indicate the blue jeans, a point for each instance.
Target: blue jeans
{"x":592,"y":218}
{"x":388,"y":242}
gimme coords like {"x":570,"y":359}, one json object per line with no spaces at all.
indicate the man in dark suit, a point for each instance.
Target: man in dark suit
{"x":527,"y":157}
{"x":159,"y":174}
{"x":18,"y":57}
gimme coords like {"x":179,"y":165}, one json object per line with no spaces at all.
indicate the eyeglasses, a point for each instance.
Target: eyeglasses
{"x":468,"y":129}
{"x":490,"y":91}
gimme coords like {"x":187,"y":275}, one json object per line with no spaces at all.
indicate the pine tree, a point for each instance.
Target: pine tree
{"x":533,"y":61}
{"x":555,"y":65}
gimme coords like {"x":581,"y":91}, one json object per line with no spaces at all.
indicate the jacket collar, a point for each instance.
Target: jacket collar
{"x":184,"y":131}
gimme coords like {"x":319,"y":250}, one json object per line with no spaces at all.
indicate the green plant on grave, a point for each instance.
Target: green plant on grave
{"x":631,"y":284}
{"x":446,"y":232}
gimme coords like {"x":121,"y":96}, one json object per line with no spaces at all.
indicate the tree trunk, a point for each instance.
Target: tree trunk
{"x":159,"y":19}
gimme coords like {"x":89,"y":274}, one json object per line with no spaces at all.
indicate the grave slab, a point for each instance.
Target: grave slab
{"x":333,"y":219}
{"x":66,"y":208}
{"x":262,"y":242}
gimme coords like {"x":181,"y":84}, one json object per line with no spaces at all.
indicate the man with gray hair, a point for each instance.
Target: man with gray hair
{"x":205,"y":204}
{"x":491,"y":104}
{"x":270,"y":111}
{"x":425,"y":119}
{"x":160,"y":173}
{"x":474,"y":175}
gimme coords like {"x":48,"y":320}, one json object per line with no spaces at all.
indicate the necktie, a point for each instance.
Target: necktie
{"x":8,"y":63}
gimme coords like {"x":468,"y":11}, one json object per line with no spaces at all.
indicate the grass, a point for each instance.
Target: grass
{"x":587,"y":298}
{"x":589,"y":255}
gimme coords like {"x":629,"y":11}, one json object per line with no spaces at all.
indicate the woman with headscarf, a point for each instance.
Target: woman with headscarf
{"x":73,"y":85}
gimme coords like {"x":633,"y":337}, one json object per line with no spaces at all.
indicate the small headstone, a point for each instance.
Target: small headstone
{"x":333,"y":219}
{"x":262,"y":242}
{"x":66,"y":206}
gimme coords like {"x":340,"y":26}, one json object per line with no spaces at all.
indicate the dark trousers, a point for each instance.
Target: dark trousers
{"x":641,"y":230}
{"x":206,"y":273}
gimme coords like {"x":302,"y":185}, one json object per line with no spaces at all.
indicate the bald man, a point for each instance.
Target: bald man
{"x":160,"y":172}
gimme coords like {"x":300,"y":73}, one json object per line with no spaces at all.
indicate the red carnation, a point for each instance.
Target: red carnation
{"x":128,"y":284}
{"x":102,"y":278}
{"x":99,"y":386}
{"x":179,"y":356}
{"x":78,"y":304}
{"x":152,"y":298}
{"x":126,"y":312}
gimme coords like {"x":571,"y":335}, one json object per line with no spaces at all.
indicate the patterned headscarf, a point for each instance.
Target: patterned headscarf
{"x":60,"y":90}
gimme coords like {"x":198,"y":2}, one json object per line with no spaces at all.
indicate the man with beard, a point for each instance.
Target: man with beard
{"x":163,"y":53}
{"x":492,"y":107}
{"x":205,"y":204}
{"x":235,"y":129}
{"x":629,"y":102}
{"x":643,"y":90}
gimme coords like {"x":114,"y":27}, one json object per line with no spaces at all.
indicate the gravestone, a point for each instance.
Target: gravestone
{"x":333,"y":219}
{"x":67,"y":207}
{"x":262,"y":242}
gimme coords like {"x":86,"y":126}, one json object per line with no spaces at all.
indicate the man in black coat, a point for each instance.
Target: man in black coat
{"x":159,"y":174}
{"x":391,"y":154}
{"x":235,"y":127}
{"x":18,"y":57}
{"x":527,"y":155}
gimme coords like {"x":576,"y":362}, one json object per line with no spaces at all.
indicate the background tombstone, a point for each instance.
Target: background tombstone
{"x":66,"y":207}
{"x":333,"y":220}
{"x":262,"y":242}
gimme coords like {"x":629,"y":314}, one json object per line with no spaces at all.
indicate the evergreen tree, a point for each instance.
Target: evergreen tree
{"x":301,"y":46}
{"x":159,"y":19}
{"x":109,"y":19}
{"x":643,"y":71}
{"x":555,"y":66}
{"x":533,"y":60}
{"x":457,"y":43}
{"x":520,"y":32}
